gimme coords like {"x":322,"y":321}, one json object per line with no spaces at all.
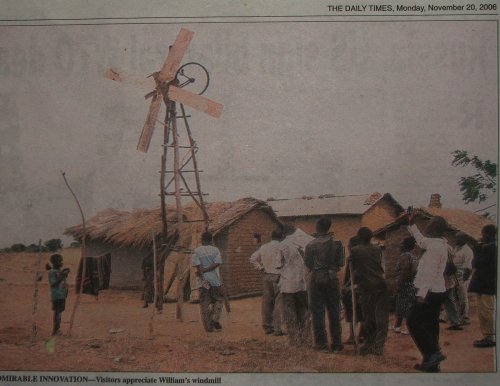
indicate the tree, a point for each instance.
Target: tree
{"x":18,"y":247}
{"x":480,"y":185}
{"x":53,"y":245}
{"x":32,"y":248}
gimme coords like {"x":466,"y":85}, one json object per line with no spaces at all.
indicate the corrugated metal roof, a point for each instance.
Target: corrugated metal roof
{"x":325,"y":205}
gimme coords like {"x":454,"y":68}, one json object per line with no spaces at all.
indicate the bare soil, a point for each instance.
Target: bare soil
{"x":111,"y":333}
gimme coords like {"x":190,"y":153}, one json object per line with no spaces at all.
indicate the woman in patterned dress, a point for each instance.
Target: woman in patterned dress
{"x":406,"y":267}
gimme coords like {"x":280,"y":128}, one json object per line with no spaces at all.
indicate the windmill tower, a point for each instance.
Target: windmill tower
{"x":176,"y":86}
{"x":172,"y":83}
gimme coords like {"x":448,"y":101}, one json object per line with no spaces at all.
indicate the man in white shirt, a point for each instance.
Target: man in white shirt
{"x":462,"y":258}
{"x":265,"y":259}
{"x":423,"y":321}
{"x":292,"y":286}
{"x":207,"y":259}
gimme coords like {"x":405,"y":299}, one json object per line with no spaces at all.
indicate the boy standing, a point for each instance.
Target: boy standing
{"x":58,"y":290}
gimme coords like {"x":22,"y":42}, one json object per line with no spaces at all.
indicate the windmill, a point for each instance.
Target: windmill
{"x":170,"y":82}
{"x":173,"y":82}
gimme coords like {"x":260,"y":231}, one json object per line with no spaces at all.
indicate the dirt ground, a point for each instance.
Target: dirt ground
{"x":111,"y":333}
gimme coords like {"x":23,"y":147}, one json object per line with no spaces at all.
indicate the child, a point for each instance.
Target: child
{"x":58,"y":289}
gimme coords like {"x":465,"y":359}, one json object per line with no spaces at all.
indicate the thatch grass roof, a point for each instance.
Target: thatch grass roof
{"x":463,"y":220}
{"x":135,"y":228}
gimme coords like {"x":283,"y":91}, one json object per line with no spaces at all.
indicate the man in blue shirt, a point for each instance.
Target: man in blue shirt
{"x":207,"y":259}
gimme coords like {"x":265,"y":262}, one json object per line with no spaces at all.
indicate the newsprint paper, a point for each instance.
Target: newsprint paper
{"x":367,"y":112}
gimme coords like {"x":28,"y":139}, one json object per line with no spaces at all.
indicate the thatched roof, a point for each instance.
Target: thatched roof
{"x":463,"y":220}
{"x":134,"y":229}
{"x":458,"y":220}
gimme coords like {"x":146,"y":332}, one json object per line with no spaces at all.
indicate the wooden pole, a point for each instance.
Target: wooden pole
{"x":195,"y":167}
{"x":353,"y":300}
{"x":82,"y":256}
{"x":162,"y":177}
{"x":155,"y":294}
{"x":34,"y":328}
{"x":180,"y":293}
{"x":177,"y":171}
{"x":166,"y":138}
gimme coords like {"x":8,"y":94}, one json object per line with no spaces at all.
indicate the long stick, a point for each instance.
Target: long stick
{"x":177,"y":181}
{"x":34,"y":328}
{"x":155,"y":295}
{"x":353,"y":300}
{"x":82,"y":256}
{"x":180,"y":293}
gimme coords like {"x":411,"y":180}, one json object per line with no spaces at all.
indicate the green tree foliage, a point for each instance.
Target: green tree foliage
{"x":32,"y":248}
{"x":53,"y":245}
{"x":479,"y":185}
{"x":18,"y":247}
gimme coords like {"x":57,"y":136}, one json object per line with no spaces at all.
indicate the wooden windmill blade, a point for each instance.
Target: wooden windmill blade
{"x":195,"y":101}
{"x":175,"y":55}
{"x":149,"y":125}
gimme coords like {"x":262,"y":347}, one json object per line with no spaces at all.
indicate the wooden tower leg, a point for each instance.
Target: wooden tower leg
{"x":195,"y":167}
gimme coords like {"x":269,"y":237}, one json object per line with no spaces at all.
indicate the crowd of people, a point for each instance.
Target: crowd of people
{"x":301,"y":286}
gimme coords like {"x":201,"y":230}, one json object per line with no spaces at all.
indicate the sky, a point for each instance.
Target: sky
{"x":309,"y":108}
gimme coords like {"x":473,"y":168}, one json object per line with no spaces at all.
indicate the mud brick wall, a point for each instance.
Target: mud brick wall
{"x":343,"y":227}
{"x":392,"y":242}
{"x":379,"y":215}
{"x":237,"y":244}
{"x":126,"y":271}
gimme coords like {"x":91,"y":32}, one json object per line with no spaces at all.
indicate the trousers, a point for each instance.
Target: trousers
{"x":375,"y":306}
{"x":450,"y":306}
{"x":462,"y":299}
{"x":423,"y":324}
{"x":271,"y":303}
{"x":325,"y":295}
{"x":486,"y":311}
{"x":210,"y":306}
{"x":294,"y":314}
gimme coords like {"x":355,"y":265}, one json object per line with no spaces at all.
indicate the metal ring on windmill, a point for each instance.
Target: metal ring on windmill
{"x":194,"y":77}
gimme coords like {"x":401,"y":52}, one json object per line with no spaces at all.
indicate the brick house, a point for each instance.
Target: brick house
{"x":237,"y":227}
{"x":348,"y":213}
